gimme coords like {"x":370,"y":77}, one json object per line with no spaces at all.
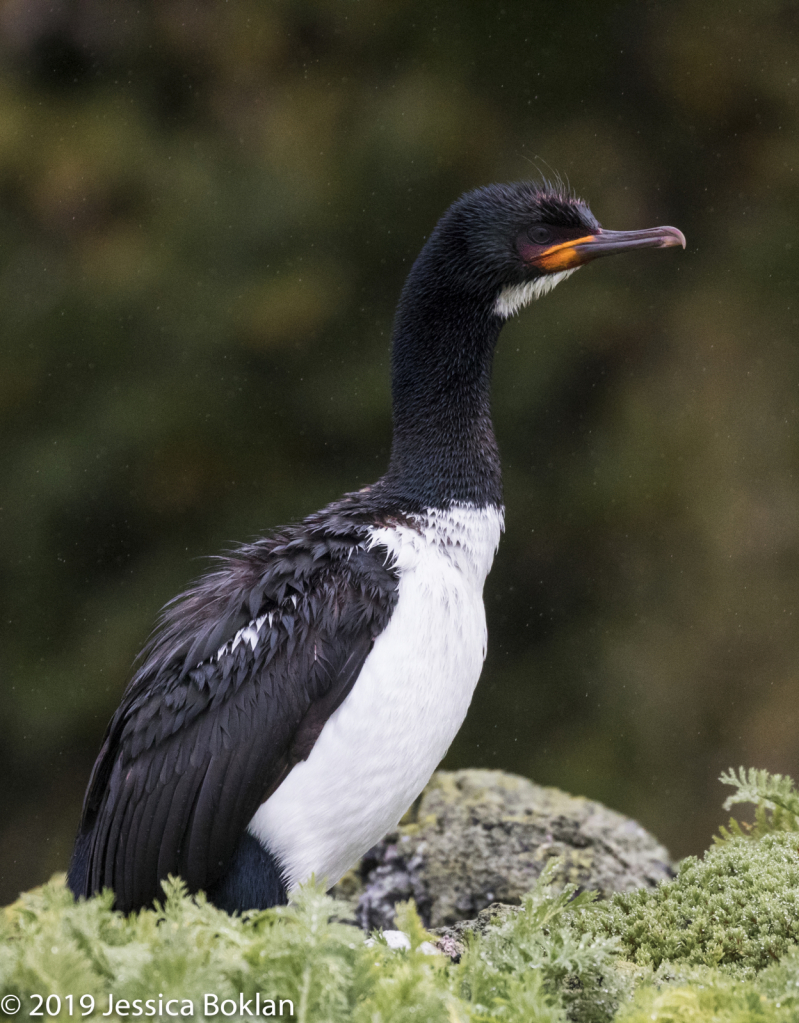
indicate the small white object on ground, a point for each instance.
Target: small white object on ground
{"x":400,"y":940}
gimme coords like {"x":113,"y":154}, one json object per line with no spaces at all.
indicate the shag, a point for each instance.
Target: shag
{"x":293,"y":703}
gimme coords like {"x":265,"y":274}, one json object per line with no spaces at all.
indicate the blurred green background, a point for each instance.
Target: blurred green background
{"x":207,"y":211}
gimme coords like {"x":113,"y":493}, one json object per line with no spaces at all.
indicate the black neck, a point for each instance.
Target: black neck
{"x":444,"y":449}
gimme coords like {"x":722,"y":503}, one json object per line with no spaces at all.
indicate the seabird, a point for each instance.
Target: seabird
{"x":294,"y":702}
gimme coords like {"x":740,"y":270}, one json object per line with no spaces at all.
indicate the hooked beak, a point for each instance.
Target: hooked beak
{"x":571,"y":254}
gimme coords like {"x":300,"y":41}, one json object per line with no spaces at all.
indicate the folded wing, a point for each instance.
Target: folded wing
{"x":235,"y":689}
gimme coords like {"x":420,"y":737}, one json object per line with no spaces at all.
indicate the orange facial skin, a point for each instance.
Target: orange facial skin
{"x":564,"y":256}
{"x":573,"y":252}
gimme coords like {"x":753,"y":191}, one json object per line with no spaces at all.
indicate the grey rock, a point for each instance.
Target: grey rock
{"x":451,"y":940}
{"x":478,"y":837}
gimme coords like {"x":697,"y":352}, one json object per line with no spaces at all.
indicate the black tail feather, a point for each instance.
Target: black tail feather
{"x":78,"y":873}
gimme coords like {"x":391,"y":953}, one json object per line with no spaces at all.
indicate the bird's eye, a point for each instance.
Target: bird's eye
{"x":539,"y":235}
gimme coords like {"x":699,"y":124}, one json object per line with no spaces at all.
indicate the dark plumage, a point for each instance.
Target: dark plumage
{"x":194,"y":726}
{"x":444,"y":337}
{"x":253,"y":662}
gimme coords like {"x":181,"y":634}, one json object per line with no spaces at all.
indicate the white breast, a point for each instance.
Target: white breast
{"x":377,"y":751}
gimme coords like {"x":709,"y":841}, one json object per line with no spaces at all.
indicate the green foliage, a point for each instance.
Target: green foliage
{"x":718,"y":944}
{"x":694,"y":994}
{"x":780,"y":981}
{"x":736,"y":907}
{"x":776,"y":803}
{"x":187,"y":949}
{"x":534,"y":965}
{"x":704,"y":995}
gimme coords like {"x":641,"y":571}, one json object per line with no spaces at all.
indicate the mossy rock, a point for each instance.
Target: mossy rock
{"x":476,"y":837}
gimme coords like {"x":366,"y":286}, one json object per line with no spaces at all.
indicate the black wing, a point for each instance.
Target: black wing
{"x":211,"y":724}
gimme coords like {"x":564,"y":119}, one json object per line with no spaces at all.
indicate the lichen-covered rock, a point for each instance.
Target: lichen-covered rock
{"x":451,"y":940}
{"x":477,"y":837}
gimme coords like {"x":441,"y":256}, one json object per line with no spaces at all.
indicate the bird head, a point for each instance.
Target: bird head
{"x":516,"y":242}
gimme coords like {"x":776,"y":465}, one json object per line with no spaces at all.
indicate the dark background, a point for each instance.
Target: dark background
{"x":206,"y":214}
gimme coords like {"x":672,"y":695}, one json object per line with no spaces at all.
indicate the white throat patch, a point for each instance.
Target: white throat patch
{"x":514,"y":297}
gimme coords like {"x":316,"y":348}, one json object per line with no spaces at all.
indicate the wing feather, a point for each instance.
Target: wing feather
{"x":196,"y":747}
{"x":168,"y":850}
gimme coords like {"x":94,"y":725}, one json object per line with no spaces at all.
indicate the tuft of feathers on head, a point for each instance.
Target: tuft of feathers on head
{"x":472,"y":248}
{"x":472,"y":253}
{"x":541,"y":199}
